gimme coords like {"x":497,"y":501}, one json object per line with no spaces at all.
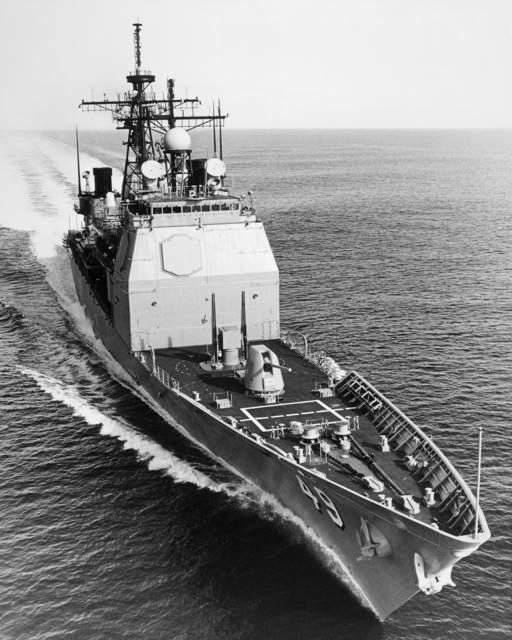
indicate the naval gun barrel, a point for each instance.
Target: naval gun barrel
{"x":278,"y":366}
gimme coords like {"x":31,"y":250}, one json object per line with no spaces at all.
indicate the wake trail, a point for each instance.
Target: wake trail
{"x":41,"y":177}
{"x":246,"y":495}
{"x":148,"y":451}
{"x":39,"y":185}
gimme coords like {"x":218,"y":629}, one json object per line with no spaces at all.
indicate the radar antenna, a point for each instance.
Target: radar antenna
{"x":148,"y":118}
{"x":136,"y":40}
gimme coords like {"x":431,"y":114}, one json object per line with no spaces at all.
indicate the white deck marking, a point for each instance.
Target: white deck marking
{"x":252,"y":419}
{"x":331,"y":410}
{"x":257,"y":421}
{"x":283,"y":404}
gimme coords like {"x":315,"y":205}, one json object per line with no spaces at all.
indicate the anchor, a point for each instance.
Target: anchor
{"x":371,"y":542}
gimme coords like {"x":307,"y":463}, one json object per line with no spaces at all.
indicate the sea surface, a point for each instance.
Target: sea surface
{"x":394,"y":249}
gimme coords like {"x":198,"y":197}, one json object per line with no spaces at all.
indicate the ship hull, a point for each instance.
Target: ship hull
{"x":338,"y":517}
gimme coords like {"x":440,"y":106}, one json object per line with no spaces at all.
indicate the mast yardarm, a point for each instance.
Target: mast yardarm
{"x":147,"y":117}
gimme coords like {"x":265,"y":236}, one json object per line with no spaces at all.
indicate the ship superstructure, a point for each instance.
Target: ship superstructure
{"x":180,"y":283}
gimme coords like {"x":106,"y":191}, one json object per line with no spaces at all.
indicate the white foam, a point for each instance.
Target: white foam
{"x":39,"y":193}
{"x":156,"y":457}
{"x":250,"y":496}
{"x":38,"y":181}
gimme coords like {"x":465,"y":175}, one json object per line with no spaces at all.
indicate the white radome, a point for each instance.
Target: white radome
{"x":215,"y":167}
{"x":152,"y":169}
{"x":177,"y":140}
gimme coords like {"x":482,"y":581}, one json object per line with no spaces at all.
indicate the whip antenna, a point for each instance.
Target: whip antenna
{"x":220,"y":131}
{"x":214,"y":134}
{"x":78,"y":164}
{"x":478,"y":480}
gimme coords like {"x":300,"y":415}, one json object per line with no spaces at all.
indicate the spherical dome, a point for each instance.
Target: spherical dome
{"x":177,"y":140}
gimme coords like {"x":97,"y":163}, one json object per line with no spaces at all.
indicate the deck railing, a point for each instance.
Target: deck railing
{"x":299,"y":343}
{"x":404,"y":436}
{"x":150,"y":364}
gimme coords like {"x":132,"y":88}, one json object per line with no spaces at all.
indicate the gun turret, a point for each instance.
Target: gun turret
{"x":263,"y":372}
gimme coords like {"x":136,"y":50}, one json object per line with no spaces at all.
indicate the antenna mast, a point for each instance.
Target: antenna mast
{"x":220,"y":131}
{"x":136,"y":40}
{"x":144,"y":117}
{"x":78,"y":164}
{"x":214,"y":134}
{"x":478,"y":481}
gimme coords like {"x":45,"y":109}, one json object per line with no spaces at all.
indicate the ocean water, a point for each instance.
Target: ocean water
{"x":395,"y":255}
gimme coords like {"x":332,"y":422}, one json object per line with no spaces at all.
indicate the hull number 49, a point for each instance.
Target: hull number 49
{"x":322,"y":499}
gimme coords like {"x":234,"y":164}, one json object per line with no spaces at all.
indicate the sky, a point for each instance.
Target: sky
{"x":273,"y":63}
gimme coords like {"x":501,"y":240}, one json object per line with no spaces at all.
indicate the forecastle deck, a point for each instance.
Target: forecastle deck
{"x":411,"y":477}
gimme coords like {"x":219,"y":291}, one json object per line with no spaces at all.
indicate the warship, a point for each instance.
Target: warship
{"x":178,"y":279}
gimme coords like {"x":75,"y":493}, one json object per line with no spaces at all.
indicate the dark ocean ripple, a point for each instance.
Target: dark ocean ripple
{"x":394,"y":252}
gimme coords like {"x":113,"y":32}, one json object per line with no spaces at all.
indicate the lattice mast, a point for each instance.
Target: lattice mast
{"x":146,"y":118}
{"x":140,"y":146}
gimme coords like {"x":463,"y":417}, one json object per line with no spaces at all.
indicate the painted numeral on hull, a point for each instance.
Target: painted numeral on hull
{"x":330,"y":506}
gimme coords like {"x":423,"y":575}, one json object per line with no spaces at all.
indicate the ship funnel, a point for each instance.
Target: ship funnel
{"x":102,"y":180}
